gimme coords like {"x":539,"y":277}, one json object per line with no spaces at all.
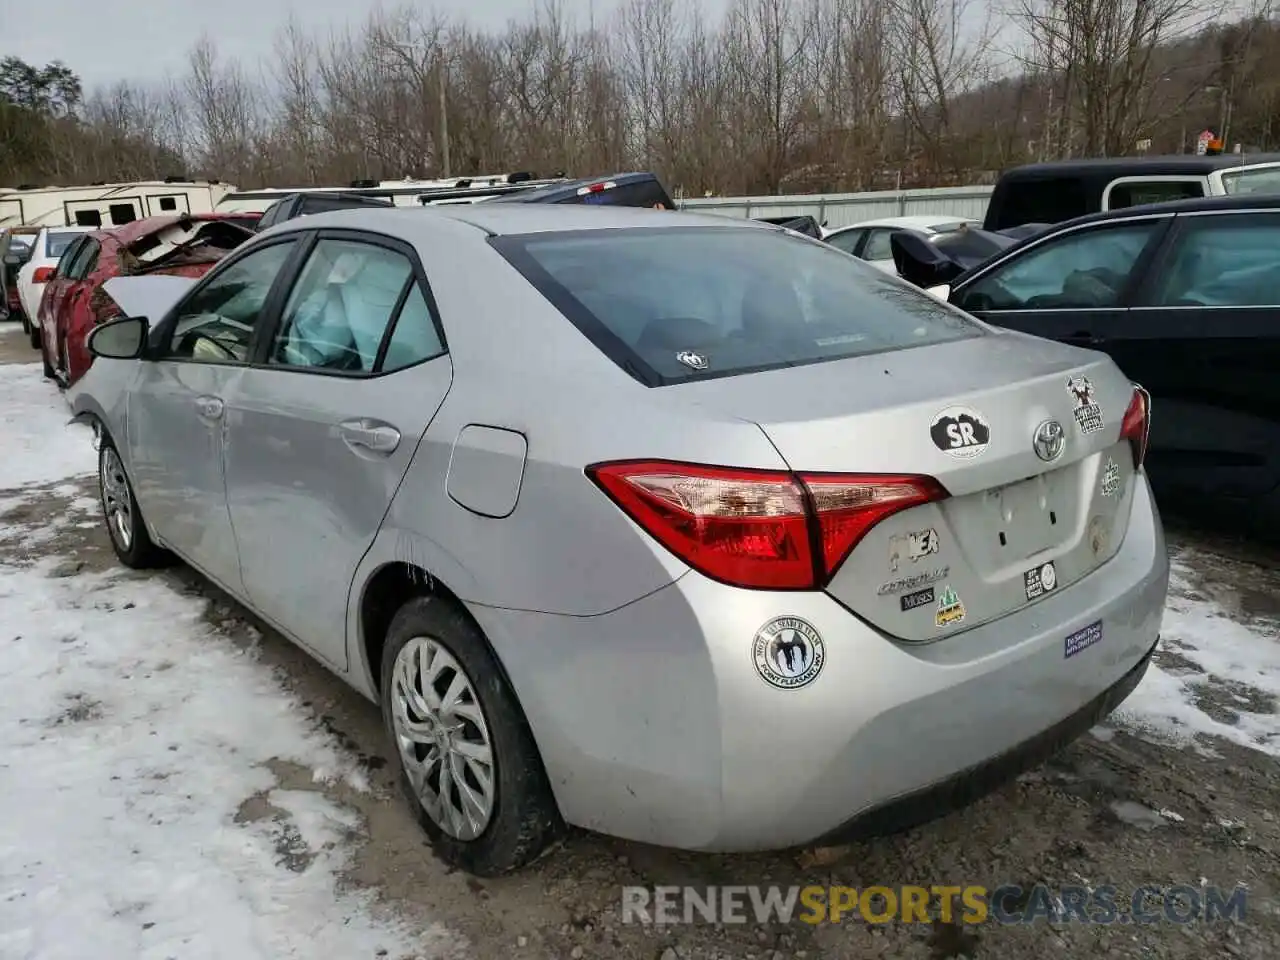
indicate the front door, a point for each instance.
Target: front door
{"x":322,"y":428}
{"x":1070,"y":287}
{"x":177,"y":411}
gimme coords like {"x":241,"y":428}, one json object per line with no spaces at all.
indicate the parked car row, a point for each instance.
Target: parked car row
{"x":60,"y":284}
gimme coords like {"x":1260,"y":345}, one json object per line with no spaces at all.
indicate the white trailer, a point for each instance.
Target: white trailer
{"x":108,"y":204}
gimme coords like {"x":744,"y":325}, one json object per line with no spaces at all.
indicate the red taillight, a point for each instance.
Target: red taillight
{"x":758,"y":528}
{"x":596,"y":187}
{"x":42,"y":275}
{"x":1136,"y":426}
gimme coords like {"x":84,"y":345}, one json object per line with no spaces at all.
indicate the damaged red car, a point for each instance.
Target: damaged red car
{"x":74,"y":301}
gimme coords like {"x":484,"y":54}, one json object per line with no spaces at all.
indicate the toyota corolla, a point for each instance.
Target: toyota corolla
{"x":683,"y":529}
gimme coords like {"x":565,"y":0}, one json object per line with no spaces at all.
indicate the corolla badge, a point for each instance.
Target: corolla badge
{"x":1049,"y":440}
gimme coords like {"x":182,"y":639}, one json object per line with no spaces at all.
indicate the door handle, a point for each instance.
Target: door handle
{"x":370,"y":435}
{"x":1083,"y":337}
{"x":209,"y":407}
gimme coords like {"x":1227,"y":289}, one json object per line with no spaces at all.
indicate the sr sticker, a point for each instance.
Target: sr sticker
{"x":1110,"y":478}
{"x":914,"y":601}
{"x":914,"y":545}
{"x":1040,"y":580}
{"x":1087,"y":412}
{"x":914,"y":580}
{"x":960,"y":432}
{"x":950,"y":608}
{"x":1082,"y":639}
{"x":788,"y":652}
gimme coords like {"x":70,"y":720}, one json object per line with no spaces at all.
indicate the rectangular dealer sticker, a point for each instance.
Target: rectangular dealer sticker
{"x":1082,"y":639}
{"x":912,"y":601}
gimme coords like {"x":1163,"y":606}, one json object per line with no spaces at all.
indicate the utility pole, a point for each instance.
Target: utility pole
{"x":442,"y":84}
{"x":443,"y":81}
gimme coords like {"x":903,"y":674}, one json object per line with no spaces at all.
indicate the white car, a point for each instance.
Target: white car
{"x":870,"y":240}
{"x":49,"y":246}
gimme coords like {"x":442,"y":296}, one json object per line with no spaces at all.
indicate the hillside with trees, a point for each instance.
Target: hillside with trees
{"x":781,"y":96}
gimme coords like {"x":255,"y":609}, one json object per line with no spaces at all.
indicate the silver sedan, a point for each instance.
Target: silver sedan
{"x":684,"y":529}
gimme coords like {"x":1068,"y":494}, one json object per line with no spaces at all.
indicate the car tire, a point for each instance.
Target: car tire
{"x":33,"y":331}
{"x":524,"y":820}
{"x":125,"y":528}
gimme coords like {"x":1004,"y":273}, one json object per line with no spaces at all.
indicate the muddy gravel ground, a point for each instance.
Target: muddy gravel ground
{"x":1087,"y":818}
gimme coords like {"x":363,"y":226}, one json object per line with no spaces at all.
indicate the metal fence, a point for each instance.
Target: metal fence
{"x":843,"y":209}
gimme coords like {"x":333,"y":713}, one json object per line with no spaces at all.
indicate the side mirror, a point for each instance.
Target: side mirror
{"x":13,"y":260}
{"x":920,"y":262}
{"x":122,"y":339}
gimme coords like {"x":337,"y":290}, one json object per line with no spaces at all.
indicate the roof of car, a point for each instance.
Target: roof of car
{"x":1176,"y":165}
{"x":517,"y":218}
{"x":1239,"y":201}
{"x":569,"y":188}
{"x":136,"y":229}
{"x":917,"y":221}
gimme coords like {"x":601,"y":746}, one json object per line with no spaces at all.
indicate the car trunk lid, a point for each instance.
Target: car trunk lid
{"x":1016,"y":526}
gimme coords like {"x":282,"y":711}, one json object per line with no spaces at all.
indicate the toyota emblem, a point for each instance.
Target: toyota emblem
{"x":1049,"y":441}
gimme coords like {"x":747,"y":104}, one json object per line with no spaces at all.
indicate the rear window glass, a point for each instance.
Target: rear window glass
{"x":57,"y":242}
{"x":1135,"y":193}
{"x":1045,"y":200}
{"x":669,"y":305}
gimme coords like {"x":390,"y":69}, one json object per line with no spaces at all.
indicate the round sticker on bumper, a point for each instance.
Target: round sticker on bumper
{"x":788,"y":653}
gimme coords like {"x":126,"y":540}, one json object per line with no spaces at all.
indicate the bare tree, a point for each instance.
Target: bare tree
{"x":1099,"y":58}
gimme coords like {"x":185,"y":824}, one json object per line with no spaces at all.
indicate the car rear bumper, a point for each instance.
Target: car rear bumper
{"x":654,"y":724}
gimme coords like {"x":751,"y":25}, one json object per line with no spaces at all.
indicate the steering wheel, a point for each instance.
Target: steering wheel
{"x":195,"y":343}
{"x":205,"y":347}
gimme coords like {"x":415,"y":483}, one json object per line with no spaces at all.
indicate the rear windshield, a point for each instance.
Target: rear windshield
{"x":1040,"y":200}
{"x":58,"y":241}
{"x":670,"y":305}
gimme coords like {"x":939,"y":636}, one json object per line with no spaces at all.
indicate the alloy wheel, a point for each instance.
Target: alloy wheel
{"x":116,"y":502}
{"x":443,"y":739}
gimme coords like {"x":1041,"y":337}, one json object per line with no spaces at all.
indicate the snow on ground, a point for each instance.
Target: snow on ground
{"x":131,"y":734}
{"x":33,"y":448}
{"x":1242,"y":660}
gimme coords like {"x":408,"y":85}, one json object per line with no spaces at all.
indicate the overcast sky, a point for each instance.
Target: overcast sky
{"x":105,"y":41}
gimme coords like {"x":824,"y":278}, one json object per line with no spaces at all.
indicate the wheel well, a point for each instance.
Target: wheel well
{"x":386,"y":592}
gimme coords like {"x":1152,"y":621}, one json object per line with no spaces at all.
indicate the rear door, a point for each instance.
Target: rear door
{"x":1204,"y":337}
{"x":322,"y":427}
{"x":1070,"y":285}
